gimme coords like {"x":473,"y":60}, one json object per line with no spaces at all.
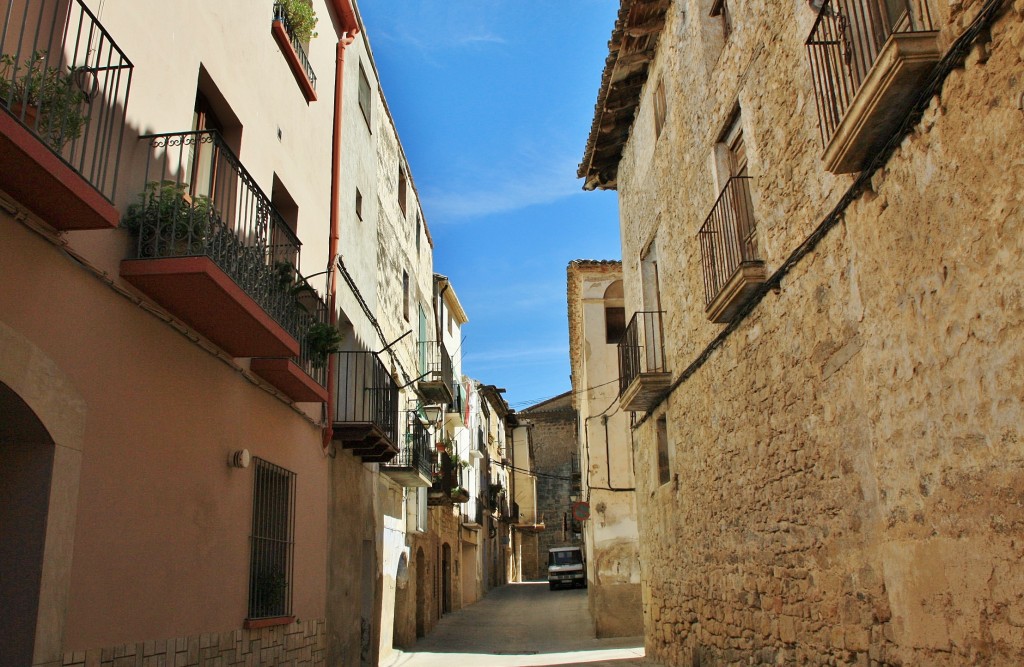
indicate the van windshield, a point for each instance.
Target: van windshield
{"x":565,"y":558}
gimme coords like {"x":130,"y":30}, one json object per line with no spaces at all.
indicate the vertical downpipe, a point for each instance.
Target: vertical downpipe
{"x":339,"y":104}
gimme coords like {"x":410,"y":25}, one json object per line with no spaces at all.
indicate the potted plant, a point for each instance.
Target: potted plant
{"x":167,"y":221}
{"x":44,"y":98}
{"x":300,"y":18}
{"x":459,"y":495}
{"x":322,"y":340}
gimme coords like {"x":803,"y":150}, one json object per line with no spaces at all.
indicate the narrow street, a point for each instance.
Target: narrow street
{"x":521,"y":625}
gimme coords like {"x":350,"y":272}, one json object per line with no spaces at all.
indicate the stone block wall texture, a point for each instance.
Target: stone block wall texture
{"x":848,"y":466}
{"x":554,"y":443}
{"x":300,"y":644}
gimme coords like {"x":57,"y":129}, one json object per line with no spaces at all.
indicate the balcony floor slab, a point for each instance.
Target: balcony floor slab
{"x":198,"y":292}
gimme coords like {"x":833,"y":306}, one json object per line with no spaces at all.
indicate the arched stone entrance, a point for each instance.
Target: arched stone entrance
{"x":41,"y":439}
{"x":446,"y":578}
{"x":421,"y":594}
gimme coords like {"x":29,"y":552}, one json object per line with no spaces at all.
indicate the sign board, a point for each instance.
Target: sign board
{"x":581,"y":511}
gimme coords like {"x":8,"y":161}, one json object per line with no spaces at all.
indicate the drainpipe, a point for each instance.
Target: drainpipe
{"x":347,"y":38}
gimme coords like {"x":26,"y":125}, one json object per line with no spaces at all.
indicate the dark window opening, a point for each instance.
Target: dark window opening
{"x":359,"y":204}
{"x":614,"y":324}
{"x":401,"y":189}
{"x":664,"y":472}
{"x":405,"y":295}
{"x":364,"y":95}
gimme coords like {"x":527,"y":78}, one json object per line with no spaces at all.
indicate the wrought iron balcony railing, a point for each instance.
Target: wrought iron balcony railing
{"x":844,"y":44}
{"x":728,"y":238}
{"x":438,"y":373}
{"x":366,"y":393}
{"x":312,"y":360}
{"x":281,"y":15}
{"x":63,"y":77}
{"x":198,"y":200}
{"x":642,"y":348}
{"x":416,"y":452}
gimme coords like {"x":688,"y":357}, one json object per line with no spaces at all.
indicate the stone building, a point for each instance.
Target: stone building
{"x":553,"y":472}
{"x":596,"y":325}
{"x":821,"y":216}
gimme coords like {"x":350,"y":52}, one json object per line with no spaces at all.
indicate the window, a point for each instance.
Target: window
{"x":359,"y":204}
{"x":401,"y":188}
{"x":450,"y":320}
{"x":664,"y":469}
{"x":614,"y":313}
{"x":659,"y":109}
{"x":404,"y":295}
{"x":721,"y":8}
{"x":418,"y":223}
{"x":273,"y":541}
{"x":364,"y":96}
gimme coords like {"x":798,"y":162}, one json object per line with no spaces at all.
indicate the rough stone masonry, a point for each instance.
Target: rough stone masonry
{"x":847,"y":470}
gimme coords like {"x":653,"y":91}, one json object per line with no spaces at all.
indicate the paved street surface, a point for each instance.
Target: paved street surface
{"x":521,"y":625}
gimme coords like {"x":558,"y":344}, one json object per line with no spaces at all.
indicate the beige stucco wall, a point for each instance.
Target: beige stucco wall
{"x":848,"y":461}
{"x":606,"y":456}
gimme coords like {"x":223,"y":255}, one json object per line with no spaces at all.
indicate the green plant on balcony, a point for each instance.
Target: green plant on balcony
{"x":289,"y":278}
{"x":300,"y":17}
{"x":459,"y":495}
{"x":168,"y":221}
{"x":47,"y":99}
{"x":322,"y":340}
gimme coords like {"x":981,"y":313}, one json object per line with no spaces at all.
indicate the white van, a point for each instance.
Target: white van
{"x":566,"y":566}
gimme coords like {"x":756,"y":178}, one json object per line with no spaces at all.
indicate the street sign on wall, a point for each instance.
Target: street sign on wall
{"x":581,"y":511}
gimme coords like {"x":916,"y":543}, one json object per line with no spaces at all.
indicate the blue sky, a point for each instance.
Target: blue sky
{"x":493,"y":101}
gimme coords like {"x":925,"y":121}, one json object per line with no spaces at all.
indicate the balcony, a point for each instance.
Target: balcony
{"x":728,"y":250}
{"x":412,"y":466}
{"x":480,"y":451}
{"x":643,"y":376}
{"x":473,"y":515}
{"x":869,"y":59}
{"x":366,"y":407}
{"x":207,"y":245}
{"x":293,"y":52}
{"x":435,"y":385}
{"x":445,"y":476}
{"x":302,"y":378}
{"x":64,"y":86}
{"x":455,"y":415}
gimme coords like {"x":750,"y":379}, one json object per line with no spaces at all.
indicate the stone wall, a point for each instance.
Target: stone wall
{"x":554,"y":444}
{"x":846,"y":467}
{"x":302,"y":644}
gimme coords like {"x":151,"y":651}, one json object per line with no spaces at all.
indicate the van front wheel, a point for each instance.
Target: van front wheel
{"x":551,"y":585}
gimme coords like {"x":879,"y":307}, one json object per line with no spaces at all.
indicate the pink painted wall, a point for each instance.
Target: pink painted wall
{"x":162,"y":538}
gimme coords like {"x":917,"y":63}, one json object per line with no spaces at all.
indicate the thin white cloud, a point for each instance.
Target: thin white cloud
{"x":517,"y":188}
{"x":521,"y":355}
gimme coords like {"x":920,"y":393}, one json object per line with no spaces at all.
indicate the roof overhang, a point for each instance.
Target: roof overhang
{"x":631,"y":49}
{"x":451,"y":299}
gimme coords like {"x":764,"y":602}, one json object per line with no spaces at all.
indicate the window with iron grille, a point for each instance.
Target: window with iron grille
{"x":272,"y":541}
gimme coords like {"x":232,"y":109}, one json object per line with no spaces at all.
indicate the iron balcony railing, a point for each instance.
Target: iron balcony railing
{"x":64,"y":78}
{"x":281,"y":15}
{"x":728,"y":238}
{"x":642,"y":348}
{"x":312,"y":359}
{"x":198,"y":200}
{"x":366,"y":392}
{"x":844,"y":44}
{"x":437,"y":362}
{"x":444,"y":474}
{"x":457,"y":404}
{"x":416,"y":451}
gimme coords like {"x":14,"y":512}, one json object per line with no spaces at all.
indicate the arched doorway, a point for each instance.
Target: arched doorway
{"x":421,"y":594}
{"x":42,"y":434}
{"x":446,"y":578}
{"x":26,"y":469}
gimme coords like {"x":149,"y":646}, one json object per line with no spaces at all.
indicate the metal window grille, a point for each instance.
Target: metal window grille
{"x":273,"y":541}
